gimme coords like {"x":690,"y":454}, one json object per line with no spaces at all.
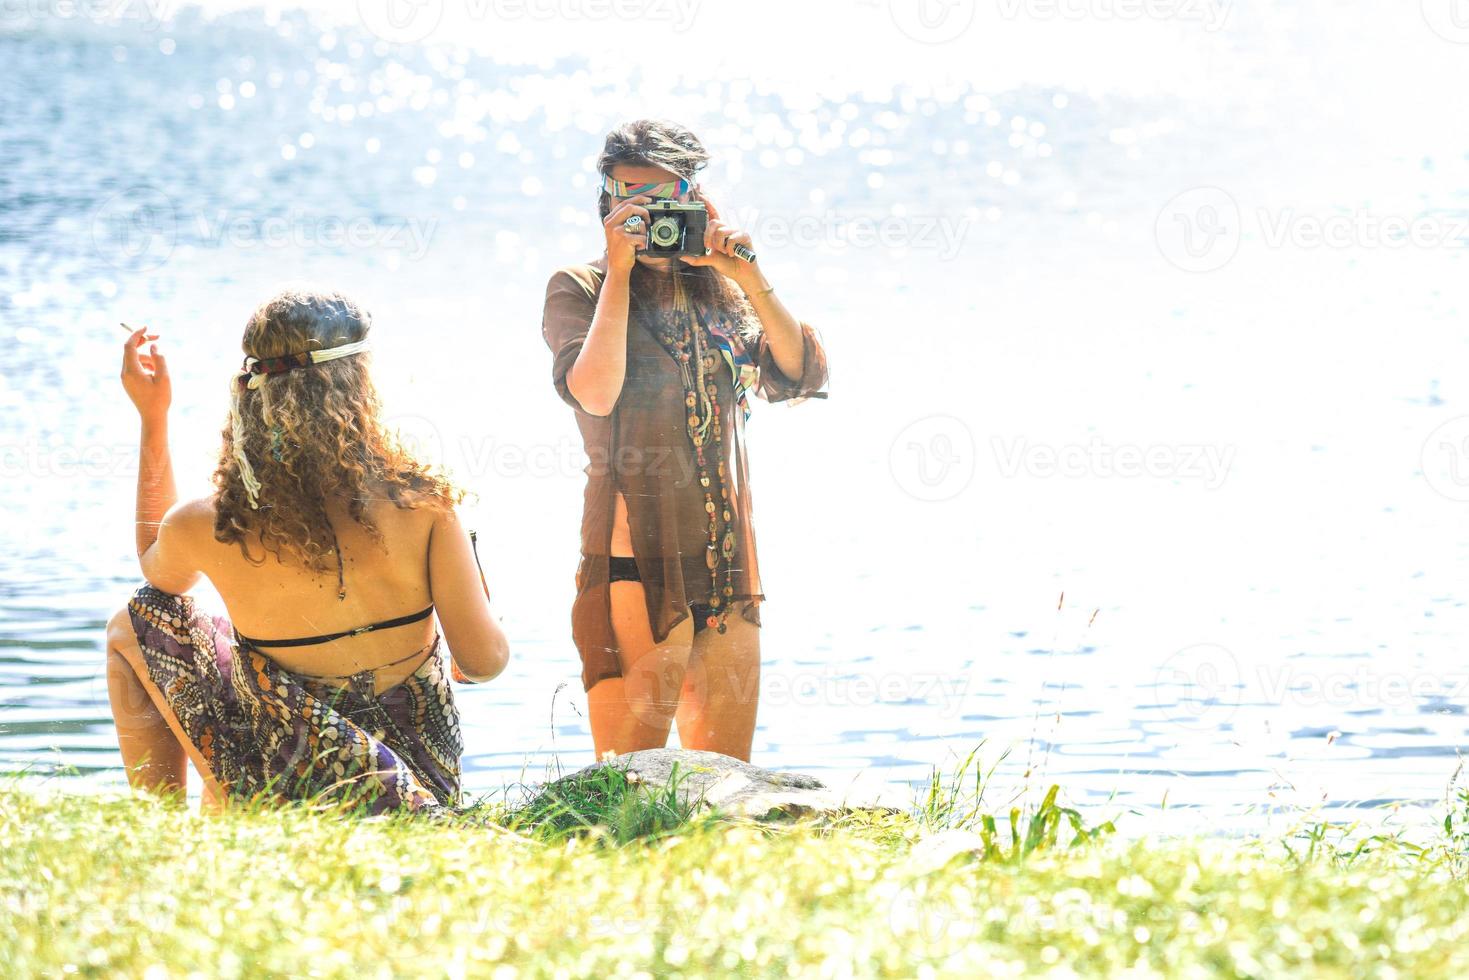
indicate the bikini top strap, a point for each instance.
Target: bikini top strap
{"x":306,"y":641}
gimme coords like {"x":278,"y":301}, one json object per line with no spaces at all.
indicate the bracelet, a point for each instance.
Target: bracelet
{"x":763,"y":292}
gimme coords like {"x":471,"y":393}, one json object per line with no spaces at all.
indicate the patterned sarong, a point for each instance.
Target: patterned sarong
{"x":265,"y":732}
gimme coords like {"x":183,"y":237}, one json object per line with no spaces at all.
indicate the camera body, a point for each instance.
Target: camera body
{"x":676,"y":228}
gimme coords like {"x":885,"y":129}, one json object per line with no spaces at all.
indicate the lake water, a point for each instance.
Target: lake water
{"x":1146,"y":458}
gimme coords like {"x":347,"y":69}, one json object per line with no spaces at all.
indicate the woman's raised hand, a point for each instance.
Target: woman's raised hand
{"x":623,"y":245}
{"x":720,"y":240}
{"x":145,"y":375}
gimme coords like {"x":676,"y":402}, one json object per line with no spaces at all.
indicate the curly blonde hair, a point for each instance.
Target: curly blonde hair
{"x":310,"y":435}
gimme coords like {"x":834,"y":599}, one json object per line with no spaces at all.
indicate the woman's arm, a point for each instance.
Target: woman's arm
{"x":776,"y":322}
{"x":476,"y":642}
{"x":158,"y":525}
{"x":781,"y":329}
{"x":595,"y":380}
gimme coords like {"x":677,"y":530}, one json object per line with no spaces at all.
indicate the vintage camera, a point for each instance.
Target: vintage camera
{"x":676,"y":228}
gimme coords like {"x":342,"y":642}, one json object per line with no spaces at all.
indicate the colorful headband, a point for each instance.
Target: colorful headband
{"x":619,"y":188}
{"x":253,"y":373}
{"x":251,"y":376}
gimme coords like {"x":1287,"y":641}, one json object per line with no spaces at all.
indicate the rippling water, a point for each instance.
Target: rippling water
{"x":1146,"y":456}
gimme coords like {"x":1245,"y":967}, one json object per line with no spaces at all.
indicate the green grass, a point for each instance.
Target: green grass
{"x":607,"y":878}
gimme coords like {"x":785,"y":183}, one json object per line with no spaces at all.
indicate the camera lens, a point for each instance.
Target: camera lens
{"x":664,"y":232}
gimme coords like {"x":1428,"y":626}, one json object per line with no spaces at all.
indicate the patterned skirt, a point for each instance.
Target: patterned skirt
{"x":267,"y":733}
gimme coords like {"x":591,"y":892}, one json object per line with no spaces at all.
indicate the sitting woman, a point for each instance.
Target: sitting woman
{"x":335,"y":553}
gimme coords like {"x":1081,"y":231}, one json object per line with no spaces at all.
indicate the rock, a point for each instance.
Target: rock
{"x":733,"y":787}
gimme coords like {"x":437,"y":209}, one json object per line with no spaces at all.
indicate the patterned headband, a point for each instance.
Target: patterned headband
{"x":253,"y":373}
{"x":621,"y":188}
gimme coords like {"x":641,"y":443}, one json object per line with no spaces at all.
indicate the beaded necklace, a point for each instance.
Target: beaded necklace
{"x":691,"y":347}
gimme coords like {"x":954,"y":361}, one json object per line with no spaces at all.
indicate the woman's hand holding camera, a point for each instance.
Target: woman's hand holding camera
{"x":720,"y":239}
{"x":624,"y":243}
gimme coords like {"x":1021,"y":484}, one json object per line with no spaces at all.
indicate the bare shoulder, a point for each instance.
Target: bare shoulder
{"x":191,"y":516}
{"x":444,"y":518}
{"x":190,"y":523}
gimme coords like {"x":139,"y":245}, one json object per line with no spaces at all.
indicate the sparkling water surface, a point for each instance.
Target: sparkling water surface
{"x":1146,"y":458}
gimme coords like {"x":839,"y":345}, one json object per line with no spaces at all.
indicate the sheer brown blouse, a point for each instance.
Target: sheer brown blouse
{"x":642,"y":450}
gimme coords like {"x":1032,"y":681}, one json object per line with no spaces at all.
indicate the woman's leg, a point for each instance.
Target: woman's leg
{"x":721,"y":693}
{"x":153,"y":745}
{"x":635,"y":711}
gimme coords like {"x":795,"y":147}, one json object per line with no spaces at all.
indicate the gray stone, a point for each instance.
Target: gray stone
{"x":731,"y":786}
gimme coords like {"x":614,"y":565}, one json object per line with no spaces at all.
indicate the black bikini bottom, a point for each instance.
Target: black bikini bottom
{"x":624,"y":568}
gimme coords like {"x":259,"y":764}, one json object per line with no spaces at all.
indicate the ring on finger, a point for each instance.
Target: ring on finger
{"x":633,"y":223}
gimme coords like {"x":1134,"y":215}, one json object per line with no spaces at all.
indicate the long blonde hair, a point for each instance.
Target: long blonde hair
{"x":306,"y":436}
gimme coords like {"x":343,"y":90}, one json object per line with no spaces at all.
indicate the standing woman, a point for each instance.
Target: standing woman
{"x":657,"y":355}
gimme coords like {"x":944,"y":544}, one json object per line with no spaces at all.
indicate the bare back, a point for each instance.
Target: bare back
{"x":271,"y":599}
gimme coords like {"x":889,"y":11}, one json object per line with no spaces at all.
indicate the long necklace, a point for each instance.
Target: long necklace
{"x":687,"y":342}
